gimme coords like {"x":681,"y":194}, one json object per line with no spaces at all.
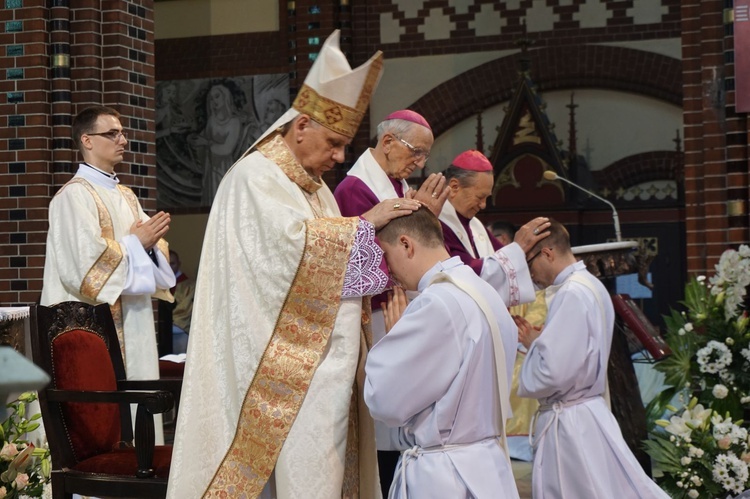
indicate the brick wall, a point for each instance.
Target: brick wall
{"x":716,"y":137}
{"x":59,"y":57}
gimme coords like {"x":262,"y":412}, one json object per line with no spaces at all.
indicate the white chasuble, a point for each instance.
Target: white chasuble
{"x":273,"y":347}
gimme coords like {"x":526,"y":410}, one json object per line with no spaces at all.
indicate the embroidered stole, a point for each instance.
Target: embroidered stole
{"x":497,"y":343}
{"x":297,"y":344}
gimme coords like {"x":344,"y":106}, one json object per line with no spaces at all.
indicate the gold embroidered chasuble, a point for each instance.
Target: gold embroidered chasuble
{"x":285,"y":345}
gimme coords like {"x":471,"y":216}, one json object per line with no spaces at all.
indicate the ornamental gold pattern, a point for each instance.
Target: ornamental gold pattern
{"x":296,"y":347}
{"x":288,"y":364}
{"x":275,"y":149}
{"x":329,"y":113}
{"x":110,"y":258}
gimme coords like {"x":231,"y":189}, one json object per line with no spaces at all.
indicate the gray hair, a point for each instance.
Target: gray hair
{"x":465,"y":177}
{"x":397,"y":127}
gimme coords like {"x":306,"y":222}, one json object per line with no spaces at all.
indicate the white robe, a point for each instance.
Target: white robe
{"x":433,"y":376}
{"x":579,"y":449}
{"x":75,"y":244}
{"x":254,"y":240}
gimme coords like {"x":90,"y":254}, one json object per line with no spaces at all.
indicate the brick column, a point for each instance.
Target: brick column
{"x":716,"y":183}
{"x":25,"y":142}
{"x":56,"y":60}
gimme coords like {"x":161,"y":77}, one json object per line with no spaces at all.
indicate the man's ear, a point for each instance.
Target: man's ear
{"x":454,"y":185}
{"x":387,"y":141}
{"x":86,"y":143}
{"x":407,"y":243}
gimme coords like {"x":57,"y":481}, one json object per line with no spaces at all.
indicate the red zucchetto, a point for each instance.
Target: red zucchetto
{"x":409,"y":115}
{"x":472,"y":160}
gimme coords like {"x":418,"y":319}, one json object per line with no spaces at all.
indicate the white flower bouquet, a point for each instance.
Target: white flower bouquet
{"x":700,"y":453}
{"x":702,"y":450}
{"x":24,"y":468}
{"x":710,"y":340}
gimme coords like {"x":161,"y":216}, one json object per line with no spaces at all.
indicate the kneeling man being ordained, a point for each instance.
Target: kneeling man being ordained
{"x":442,"y":373}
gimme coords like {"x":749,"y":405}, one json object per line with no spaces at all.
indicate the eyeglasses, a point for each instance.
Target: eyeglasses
{"x":528,"y":262}
{"x":416,"y":152}
{"x":113,"y":135}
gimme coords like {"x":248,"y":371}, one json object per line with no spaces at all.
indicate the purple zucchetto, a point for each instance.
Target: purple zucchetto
{"x":409,"y":115}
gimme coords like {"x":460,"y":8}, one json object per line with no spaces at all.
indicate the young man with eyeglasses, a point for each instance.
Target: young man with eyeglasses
{"x":103,"y":248}
{"x":578,"y":447}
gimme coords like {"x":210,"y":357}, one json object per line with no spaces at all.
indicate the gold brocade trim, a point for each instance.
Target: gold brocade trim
{"x":275,"y":149}
{"x":329,"y":113}
{"x":288,"y":364}
{"x":110,"y":258}
{"x":116,"y":310}
{"x":129,"y":196}
{"x":102,"y":270}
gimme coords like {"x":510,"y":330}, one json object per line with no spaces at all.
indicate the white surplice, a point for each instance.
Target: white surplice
{"x":433,"y":376}
{"x":579,"y":449}
{"x":254,"y":241}
{"x":75,"y":245}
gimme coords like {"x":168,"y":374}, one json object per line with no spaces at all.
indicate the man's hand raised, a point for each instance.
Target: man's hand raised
{"x":150,"y":231}
{"x":432,"y":193}
{"x":387,"y":210}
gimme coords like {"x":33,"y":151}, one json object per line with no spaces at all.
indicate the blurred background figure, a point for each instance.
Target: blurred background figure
{"x":503,"y":231}
{"x":183,"y":292}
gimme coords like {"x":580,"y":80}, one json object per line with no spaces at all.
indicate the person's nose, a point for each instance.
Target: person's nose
{"x":338,"y":154}
{"x":421,"y":162}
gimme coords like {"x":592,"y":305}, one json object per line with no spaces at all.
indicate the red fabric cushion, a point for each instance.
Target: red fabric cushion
{"x":81,"y":362}
{"x":169,"y":369}
{"x":123,"y":462}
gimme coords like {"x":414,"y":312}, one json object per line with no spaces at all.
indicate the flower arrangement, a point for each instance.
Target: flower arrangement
{"x":24,"y":468}
{"x":701,"y":453}
{"x":702,"y":449}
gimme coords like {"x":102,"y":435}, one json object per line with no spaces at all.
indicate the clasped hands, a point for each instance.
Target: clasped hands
{"x":150,"y":231}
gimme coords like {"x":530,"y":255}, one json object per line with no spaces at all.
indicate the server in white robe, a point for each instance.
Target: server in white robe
{"x":470,"y":180}
{"x":441,"y":375}
{"x":102,"y":247}
{"x":277,"y":332}
{"x":579,"y":449}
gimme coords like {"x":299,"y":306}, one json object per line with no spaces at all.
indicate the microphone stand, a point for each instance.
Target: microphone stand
{"x":550,"y":175}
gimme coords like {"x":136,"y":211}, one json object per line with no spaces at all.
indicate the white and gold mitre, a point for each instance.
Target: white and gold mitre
{"x":334,"y":94}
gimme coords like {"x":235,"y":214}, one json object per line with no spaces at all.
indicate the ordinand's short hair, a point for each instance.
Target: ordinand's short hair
{"x":421,"y":225}
{"x":558,"y":239}
{"x":84,"y":121}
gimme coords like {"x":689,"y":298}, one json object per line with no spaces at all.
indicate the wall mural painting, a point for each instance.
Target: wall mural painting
{"x":203,"y":126}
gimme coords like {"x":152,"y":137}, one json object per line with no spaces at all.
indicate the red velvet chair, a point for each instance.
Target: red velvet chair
{"x":86,"y":407}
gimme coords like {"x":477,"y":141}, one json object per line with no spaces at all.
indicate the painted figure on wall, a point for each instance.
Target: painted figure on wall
{"x":203,"y":126}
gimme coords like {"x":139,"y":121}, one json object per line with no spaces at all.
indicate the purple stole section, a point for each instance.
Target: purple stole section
{"x":456,"y":248}
{"x":397,"y":185}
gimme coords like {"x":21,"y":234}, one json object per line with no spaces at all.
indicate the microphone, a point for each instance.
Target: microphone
{"x":550,"y":175}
